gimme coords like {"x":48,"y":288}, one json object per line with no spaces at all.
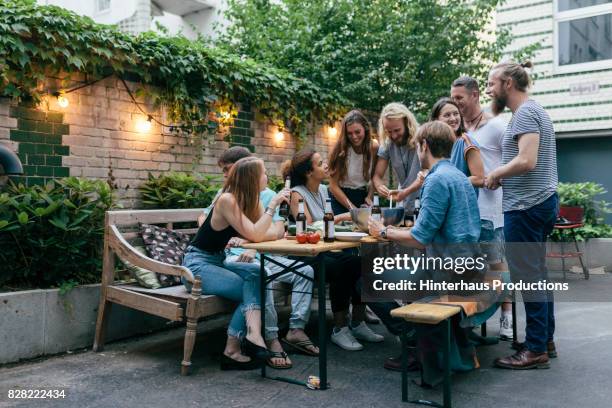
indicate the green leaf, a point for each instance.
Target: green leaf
{"x":23,"y":218}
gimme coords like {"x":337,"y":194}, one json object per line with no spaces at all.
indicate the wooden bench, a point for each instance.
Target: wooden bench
{"x":173,"y":303}
{"x":432,"y":314}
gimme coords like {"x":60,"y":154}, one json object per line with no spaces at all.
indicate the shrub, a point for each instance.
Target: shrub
{"x":179,"y":190}
{"x":583,"y":195}
{"x":52,"y":235}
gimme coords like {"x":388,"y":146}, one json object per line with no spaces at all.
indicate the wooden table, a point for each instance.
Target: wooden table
{"x":315,"y":252}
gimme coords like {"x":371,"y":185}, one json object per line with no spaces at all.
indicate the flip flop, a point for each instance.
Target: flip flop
{"x":301,"y":346}
{"x":279,"y":354}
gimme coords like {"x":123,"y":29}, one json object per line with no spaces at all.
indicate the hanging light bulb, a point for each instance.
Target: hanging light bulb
{"x":62,"y":101}
{"x":279,"y":136}
{"x":332,"y":131}
{"x":144,"y":126}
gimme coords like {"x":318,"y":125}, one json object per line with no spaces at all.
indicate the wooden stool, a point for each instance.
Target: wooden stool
{"x":428,"y":313}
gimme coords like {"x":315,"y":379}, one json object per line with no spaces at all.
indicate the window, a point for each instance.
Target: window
{"x":102,"y":5}
{"x":583,"y":35}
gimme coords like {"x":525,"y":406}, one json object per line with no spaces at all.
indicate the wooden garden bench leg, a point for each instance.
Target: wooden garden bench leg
{"x":104,"y":309}
{"x":108,"y":275}
{"x":191,"y":326}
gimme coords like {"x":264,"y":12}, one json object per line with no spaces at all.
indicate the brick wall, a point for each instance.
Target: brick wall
{"x":97,"y":132}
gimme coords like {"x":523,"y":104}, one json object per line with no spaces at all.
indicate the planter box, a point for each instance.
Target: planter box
{"x":597,"y":253}
{"x":39,"y":322}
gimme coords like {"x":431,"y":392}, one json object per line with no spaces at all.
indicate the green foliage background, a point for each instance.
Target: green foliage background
{"x":190,"y":79}
{"x":371,"y":51}
{"x":52,"y":235}
{"x":585,"y":195}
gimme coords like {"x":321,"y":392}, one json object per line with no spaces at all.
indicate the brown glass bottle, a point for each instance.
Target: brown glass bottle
{"x":376,"y":213}
{"x":300,"y":220}
{"x":283,"y":209}
{"x":329,"y":227}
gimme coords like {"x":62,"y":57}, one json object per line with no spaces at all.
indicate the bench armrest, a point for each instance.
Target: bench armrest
{"x":125,"y":251}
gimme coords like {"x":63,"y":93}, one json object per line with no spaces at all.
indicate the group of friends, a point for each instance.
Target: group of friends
{"x":478,"y":178}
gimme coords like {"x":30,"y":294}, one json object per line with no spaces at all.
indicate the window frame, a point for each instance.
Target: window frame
{"x":575,"y":14}
{"x":103,"y":11}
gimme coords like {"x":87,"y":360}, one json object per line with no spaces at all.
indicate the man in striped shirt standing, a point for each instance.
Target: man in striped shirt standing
{"x":530,"y":203}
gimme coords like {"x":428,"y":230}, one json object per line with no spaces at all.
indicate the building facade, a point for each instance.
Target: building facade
{"x":573,"y":78}
{"x":189,"y":17}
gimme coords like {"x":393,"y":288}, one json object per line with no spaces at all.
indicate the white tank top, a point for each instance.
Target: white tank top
{"x":354,"y":171}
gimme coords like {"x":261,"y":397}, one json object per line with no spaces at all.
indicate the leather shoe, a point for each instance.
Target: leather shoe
{"x":551,"y":349}
{"x":523,"y":360}
{"x":395,"y":363}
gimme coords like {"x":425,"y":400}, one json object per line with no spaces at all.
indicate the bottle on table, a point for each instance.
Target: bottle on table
{"x":300,"y":220}
{"x":283,"y":209}
{"x":376,"y":212}
{"x":329,"y":227}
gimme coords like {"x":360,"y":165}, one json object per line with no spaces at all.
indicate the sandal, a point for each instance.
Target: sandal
{"x":279,"y":354}
{"x":301,"y":346}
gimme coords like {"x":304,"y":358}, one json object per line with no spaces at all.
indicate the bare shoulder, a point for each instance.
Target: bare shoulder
{"x":226,"y":199}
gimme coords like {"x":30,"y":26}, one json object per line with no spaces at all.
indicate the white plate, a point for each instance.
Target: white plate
{"x":350,"y":236}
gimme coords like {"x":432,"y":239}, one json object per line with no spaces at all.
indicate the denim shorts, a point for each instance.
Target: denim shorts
{"x":492,"y":242}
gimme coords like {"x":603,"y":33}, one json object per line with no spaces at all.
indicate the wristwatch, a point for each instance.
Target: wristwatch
{"x":383,"y":233}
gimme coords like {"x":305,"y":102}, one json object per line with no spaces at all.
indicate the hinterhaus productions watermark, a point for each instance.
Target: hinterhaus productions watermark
{"x":392,"y":272}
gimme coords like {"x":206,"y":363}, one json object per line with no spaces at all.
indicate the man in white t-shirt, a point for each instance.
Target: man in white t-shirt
{"x":488,"y":131}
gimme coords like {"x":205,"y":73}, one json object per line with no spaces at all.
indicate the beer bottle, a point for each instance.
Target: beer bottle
{"x":300,"y":220}
{"x":417,"y":208}
{"x":283,"y":210}
{"x":329,"y":228}
{"x":376,"y":213}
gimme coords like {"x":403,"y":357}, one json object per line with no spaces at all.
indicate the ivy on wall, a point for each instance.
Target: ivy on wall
{"x":189,"y":79}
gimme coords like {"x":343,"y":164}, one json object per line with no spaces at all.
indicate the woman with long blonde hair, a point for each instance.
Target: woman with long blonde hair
{"x":236,"y":212}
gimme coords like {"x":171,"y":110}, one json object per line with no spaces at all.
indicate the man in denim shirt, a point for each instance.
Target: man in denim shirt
{"x":449,"y":212}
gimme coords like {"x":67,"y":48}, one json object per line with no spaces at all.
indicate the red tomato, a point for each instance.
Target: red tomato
{"x":314,"y":238}
{"x":302,"y":238}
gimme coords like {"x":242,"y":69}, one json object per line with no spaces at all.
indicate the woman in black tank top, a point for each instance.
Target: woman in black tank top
{"x":236,"y":212}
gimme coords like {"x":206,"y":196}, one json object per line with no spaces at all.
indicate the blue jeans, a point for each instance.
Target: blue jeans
{"x":301,"y":295}
{"x":525,"y":232}
{"x":232,"y":280}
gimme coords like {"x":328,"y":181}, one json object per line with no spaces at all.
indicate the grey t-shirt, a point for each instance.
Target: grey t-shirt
{"x":315,"y":202}
{"x":534,"y":187}
{"x":405,"y":164}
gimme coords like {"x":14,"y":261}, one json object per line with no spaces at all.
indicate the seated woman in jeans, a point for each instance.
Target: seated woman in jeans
{"x":307,"y":171}
{"x":236,"y":212}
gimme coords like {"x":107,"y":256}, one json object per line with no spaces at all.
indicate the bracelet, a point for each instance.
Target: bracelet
{"x":269,"y":211}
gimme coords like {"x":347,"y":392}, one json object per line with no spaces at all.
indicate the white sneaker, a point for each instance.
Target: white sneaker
{"x":344,"y":339}
{"x":505,"y":327}
{"x":363,"y":332}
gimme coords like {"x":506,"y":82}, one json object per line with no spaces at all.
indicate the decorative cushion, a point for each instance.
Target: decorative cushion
{"x":144,"y":277}
{"x":166,"y":246}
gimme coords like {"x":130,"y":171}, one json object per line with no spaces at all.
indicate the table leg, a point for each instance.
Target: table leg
{"x":447,"y":372}
{"x":322,"y":326}
{"x":263,"y":291}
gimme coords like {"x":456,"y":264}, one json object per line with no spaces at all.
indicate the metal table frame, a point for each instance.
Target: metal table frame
{"x":265,"y":280}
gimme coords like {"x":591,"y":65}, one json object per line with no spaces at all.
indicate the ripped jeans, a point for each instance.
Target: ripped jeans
{"x":235,"y":281}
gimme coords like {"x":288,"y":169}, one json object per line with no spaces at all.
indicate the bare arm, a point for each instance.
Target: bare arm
{"x":525,"y":161}
{"x":402,"y":236}
{"x":335,"y":189}
{"x":228,"y":213}
{"x":377,"y":178}
{"x":474,"y":161}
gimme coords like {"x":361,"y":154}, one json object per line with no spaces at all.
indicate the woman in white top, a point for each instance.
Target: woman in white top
{"x":351,"y":163}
